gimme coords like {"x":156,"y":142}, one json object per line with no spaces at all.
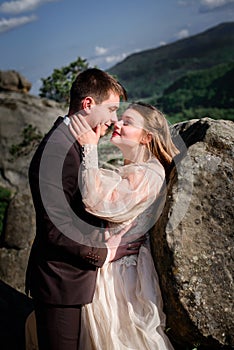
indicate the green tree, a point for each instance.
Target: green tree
{"x":57,"y":86}
{"x":31,"y":136}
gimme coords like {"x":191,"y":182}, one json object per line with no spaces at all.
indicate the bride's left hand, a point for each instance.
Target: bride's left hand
{"x":82,"y":131}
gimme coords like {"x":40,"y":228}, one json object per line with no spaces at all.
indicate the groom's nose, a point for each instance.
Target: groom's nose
{"x":114,"y":117}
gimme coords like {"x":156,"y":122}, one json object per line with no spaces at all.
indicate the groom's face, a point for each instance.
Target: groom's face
{"x":104,"y":114}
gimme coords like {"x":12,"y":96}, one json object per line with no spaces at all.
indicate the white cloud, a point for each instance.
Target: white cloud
{"x":162,"y":43}
{"x":100,"y":51}
{"x":209,"y":5}
{"x":184,"y":33}
{"x":115,"y":58}
{"x":112,"y":59}
{"x":105,"y":56}
{"x":11,"y":23}
{"x":206,"y":5}
{"x":19,"y":6}
{"x":105,"y":61}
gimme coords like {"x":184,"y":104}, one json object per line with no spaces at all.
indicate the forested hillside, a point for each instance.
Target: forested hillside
{"x":208,"y":92}
{"x":190,"y":76}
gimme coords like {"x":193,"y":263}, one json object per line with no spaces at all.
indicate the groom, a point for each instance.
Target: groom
{"x":63,"y":262}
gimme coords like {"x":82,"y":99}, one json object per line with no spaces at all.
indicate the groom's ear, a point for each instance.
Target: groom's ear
{"x":87,"y":103}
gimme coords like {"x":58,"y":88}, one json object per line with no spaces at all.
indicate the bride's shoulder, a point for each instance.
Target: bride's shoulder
{"x":153,"y":161}
{"x":155,"y":165}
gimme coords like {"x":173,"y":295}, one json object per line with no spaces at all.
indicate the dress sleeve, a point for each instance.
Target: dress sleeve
{"x":119,"y":195}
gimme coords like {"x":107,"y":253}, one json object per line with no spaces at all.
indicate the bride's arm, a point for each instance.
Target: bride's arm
{"x":118,"y":195}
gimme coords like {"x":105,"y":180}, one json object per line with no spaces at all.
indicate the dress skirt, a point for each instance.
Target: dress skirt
{"x":127,"y":309}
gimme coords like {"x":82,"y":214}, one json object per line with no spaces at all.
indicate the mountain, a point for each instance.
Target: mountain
{"x":148,"y":73}
{"x":208,"y":88}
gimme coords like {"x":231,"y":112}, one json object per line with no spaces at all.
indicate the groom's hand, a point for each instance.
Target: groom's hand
{"x":120,"y":246}
{"x":126,"y":249}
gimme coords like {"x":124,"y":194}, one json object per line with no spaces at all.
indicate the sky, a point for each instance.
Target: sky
{"x":37,"y":36}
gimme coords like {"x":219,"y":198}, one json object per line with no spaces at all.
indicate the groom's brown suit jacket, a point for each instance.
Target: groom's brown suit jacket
{"x":63,"y":262}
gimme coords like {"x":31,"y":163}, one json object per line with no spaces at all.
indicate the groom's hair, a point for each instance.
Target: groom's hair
{"x":95,"y":83}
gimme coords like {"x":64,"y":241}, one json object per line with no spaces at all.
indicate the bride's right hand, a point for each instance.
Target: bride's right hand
{"x":82,"y":131}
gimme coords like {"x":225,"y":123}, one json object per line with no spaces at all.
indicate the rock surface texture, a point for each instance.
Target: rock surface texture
{"x":192,"y":242}
{"x":11,"y":80}
{"x":24,"y":119}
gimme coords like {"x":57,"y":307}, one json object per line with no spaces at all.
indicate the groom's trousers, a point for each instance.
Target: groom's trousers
{"x":58,"y":327}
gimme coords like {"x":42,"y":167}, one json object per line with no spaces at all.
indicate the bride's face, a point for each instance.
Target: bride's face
{"x":129,"y":130}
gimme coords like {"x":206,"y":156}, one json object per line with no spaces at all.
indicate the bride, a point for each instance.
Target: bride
{"x":127,"y":309}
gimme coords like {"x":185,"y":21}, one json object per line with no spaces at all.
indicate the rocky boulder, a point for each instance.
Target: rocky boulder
{"x":192,"y":242}
{"x":11,"y":80}
{"x":24,"y":119}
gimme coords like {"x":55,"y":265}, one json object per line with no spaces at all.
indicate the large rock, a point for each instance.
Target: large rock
{"x":11,"y":80}
{"x":24,"y":119}
{"x":192,"y":242}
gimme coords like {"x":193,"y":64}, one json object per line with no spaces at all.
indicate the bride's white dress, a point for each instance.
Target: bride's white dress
{"x":127,"y":309}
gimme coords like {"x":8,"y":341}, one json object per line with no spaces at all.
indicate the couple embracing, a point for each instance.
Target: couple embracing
{"x":90,"y":271}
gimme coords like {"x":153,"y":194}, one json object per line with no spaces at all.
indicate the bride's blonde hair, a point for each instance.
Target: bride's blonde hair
{"x":155,"y":123}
